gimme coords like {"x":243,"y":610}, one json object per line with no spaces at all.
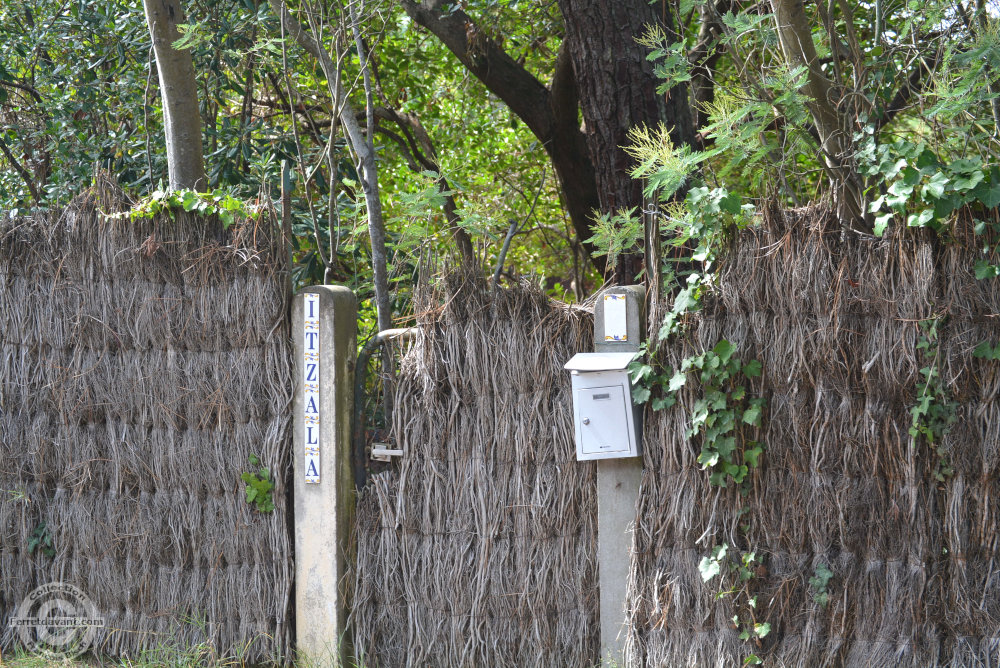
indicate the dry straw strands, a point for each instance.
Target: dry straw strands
{"x":835,"y":321}
{"x":480,"y":549}
{"x":141,"y":363}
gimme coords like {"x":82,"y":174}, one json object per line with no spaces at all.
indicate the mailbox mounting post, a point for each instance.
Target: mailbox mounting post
{"x":619,"y":327}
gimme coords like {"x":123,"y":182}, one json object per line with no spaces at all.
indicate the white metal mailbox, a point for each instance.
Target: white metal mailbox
{"x":602,"y":406}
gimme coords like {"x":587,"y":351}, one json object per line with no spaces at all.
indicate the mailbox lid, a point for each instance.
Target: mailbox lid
{"x":599,"y":361}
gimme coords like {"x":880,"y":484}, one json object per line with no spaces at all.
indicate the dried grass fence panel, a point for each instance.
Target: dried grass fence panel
{"x":479,"y":550}
{"x":835,"y":321}
{"x":141,"y":363}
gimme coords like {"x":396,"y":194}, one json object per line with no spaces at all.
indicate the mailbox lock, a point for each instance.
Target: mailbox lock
{"x":586,"y":420}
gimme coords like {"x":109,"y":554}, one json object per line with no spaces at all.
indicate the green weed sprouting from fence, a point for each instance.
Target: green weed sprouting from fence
{"x":259,"y":486}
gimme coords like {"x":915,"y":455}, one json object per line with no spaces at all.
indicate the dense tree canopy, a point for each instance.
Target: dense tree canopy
{"x":528,"y":117}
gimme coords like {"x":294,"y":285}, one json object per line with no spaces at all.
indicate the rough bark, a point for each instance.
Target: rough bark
{"x":179,"y":91}
{"x":617,"y":91}
{"x":617,"y":88}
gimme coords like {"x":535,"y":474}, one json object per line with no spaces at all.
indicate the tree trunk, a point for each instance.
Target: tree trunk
{"x":601,"y":70}
{"x":179,"y":91}
{"x":617,"y":91}
{"x":551,"y":115}
{"x":795,"y":36}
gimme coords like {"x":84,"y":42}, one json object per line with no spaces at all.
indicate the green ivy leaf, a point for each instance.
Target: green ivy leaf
{"x":730,"y":203}
{"x":752,"y":369}
{"x":708,"y":568}
{"x":988,"y":192}
{"x":920,"y":219}
{"x":984,"y":270}
{"x":639,"y":372}
{"x":969,"y":182}
{"x":640,"y":395}
{"x":881,"y":223}
{"x":677,"y":381}
{"x":725,"y":446}
{"x":189,"y":200}
{"x":965,"y":166}
{"x":724,"y":349}
{"x":708,"y":459}
{"x":935,"y":187}
{"x":986,"y":351}
{"x":663,"y":402}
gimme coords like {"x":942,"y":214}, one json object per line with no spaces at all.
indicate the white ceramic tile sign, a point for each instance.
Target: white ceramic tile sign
{"x":310,"y":383}
{"x":615,"y":322}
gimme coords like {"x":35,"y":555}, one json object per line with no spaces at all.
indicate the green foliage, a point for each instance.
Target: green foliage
{"x":922,"y":188}
{"x":935,"y":411}
{"x":664,"y":166}
{"x":746,"y":147}
{"x":259,"y":486}
{"x":720,"y":420}
{"x":616,"y":233}
{"x":720,"y":417}
{"x":41,"y":540}
{"x":215,"y":203}
{"x":707,"y":221}
{"x":819,"y":581}
{"x":986,"y":350}
{"x":737,"y":571}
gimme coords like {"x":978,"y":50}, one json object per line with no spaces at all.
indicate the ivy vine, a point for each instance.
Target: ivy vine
{"x":934,"y":412}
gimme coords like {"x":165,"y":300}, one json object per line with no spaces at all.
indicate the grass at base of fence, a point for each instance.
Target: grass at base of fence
{"x":164,"y":656}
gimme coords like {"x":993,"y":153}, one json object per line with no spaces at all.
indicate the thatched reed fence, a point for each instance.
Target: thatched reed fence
{"x":480,"y":549}
{"x":835,"y":321}
{"x":141,"y":363}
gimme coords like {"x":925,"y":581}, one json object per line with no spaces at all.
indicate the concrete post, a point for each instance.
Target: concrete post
{"x":617,"y":479}
{"x":324,"y":485}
